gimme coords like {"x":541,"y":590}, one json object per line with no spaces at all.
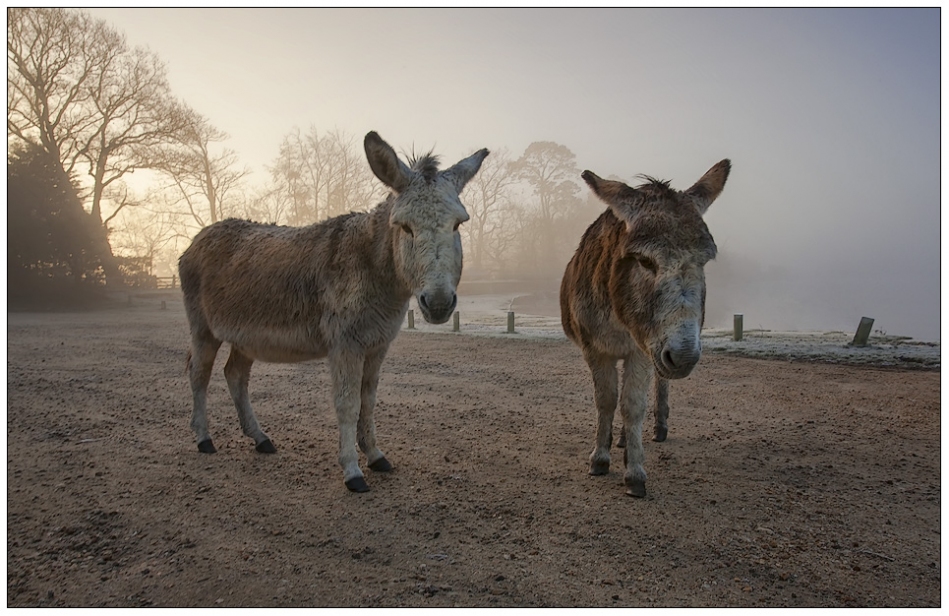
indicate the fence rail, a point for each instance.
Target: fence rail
{"x":167,"y":282}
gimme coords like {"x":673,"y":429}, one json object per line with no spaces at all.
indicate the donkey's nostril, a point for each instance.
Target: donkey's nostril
{"x":678,"y":363}
{"x":437,"y":305}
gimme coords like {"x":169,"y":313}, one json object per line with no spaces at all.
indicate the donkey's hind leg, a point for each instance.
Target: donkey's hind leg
{"x":200,"y":362}
{"x":366,"y":427}
{"x":603,"y":370}
{"x":237,"y":374}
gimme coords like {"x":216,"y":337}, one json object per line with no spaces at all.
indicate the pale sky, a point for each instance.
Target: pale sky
{"x":831,"y":119}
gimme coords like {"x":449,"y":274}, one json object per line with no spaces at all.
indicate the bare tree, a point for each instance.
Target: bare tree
{"x":487,"y":235}
{"x":204,"y":180}
{"x":270,"y":204}
{"x":145,"y":233}
{"x":77,"y":90}
{"x":300,"y":171}
{"x":549,"y":169}
{"x":351,"y":185}
{"x":135,"y":118}
{"x":53,"y":56}
{"x":323,"y":175}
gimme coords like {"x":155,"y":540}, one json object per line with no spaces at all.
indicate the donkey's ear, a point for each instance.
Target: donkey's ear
{"x":386,"y":164}
{"x":620,"y":197}
{"x":710,"y":186}
{"x":464,"y":170}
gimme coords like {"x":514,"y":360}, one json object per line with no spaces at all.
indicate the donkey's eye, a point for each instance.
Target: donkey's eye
{"x":646,"y":262}
{"x":408,"y":230}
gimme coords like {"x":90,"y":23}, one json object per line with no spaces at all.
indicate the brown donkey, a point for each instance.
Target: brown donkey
{"x":337,"y":289}
{"x":635,"y":290}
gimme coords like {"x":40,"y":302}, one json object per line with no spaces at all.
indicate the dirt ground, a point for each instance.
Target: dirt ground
{"x":782,"y":483}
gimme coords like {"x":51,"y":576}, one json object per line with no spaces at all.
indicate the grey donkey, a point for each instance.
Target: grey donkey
{"x":337,"y":289}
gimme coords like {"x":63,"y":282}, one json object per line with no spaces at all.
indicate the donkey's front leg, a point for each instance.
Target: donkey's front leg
{"x":603,"y":370}
{"x":366,"y":428}
{"x":636,"y":372}
{"x":346,"y":369}
{"x":661,"y":405}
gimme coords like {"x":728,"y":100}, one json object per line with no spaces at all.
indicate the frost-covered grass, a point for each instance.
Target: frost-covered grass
{"x":834,"y":347}
{"x":486,"y":315}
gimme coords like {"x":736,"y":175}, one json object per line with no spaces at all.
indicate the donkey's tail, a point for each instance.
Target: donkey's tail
{"x":188,"y":363}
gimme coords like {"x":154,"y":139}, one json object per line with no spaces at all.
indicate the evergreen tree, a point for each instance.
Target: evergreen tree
{"x":51,"y":247}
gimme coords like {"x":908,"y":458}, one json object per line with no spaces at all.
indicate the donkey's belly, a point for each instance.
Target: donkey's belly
{"x":280,"y":356}
{"x":276,"y":345}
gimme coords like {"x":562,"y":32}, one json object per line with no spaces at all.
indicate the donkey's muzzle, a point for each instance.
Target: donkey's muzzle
{"x":677,"y":363}
{"x":437,"y":307}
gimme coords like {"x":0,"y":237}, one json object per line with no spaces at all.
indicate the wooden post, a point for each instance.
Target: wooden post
{"x":510,"y":322}
{"x":739,"y":326}
{"x":163,"y":307}
{"x":411,"y":319}
{"x":456,"y":322}
{"x":863,"y":332}
{"x":174,"y":280}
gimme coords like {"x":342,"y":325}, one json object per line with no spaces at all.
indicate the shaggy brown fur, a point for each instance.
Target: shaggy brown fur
{"x":635,"y":290}
{"x":337,"y":289}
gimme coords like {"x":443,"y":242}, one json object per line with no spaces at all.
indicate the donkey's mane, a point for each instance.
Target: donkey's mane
{"x":426,"y":164}
{"x":654,"y":185}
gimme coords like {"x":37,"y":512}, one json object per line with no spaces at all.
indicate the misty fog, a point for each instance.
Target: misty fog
{"x":830,"y":117}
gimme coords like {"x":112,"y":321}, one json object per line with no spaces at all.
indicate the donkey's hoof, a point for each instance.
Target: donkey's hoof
{"x":599,"y":468}
{"x":266,"y":447}
{"x":206,"y":447}
{"x":621,"y":443}
{"x":636,"y":488}
{"x":381,"y":465}
{"x":357,"y":484}
{"x":661,"y":433}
